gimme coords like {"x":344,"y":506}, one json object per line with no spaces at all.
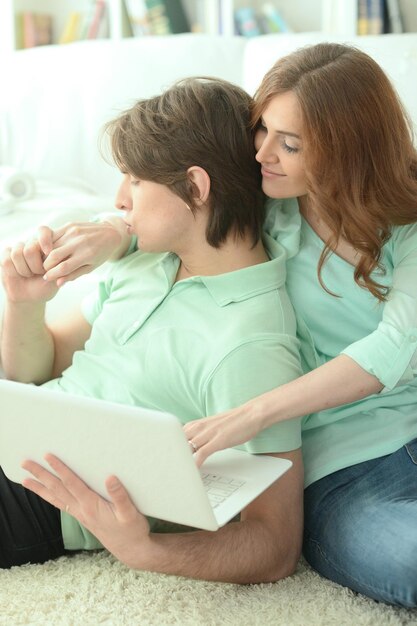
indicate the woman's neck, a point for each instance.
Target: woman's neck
{"x":343,"y":249}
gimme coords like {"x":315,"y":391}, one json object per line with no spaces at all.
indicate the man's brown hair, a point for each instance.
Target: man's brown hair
{"x":201,"y":122}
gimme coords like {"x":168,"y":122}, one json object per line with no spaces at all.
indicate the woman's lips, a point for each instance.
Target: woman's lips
{"x":269,"y":174}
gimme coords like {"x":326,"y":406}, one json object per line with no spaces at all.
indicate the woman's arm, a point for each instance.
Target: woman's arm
{"x":337,"y":382}
{"x":79,"y":248}
{"x":385,"y":358}
{"x":390,"y":352}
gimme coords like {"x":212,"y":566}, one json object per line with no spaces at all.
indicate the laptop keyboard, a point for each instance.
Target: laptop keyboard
{"x":219,"y":488}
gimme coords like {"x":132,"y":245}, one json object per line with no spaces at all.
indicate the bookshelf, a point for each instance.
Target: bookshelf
{"x":207,"y":16}
{"x":368,"y":17}
{"x":203,"y":16}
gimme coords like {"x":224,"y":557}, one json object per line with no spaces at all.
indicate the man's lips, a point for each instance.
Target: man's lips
{"x":269,"y":174}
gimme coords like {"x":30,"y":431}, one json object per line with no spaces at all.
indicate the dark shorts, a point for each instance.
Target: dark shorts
{"x":30,"y":528}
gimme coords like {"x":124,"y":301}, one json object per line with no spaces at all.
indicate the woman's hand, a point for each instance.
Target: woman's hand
{"x":224,"y":430}
{"x":79,"y":248}
{"x":116,"y":523}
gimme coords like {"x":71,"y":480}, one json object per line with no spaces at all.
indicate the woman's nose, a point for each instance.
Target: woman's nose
{"x":265,"y":153}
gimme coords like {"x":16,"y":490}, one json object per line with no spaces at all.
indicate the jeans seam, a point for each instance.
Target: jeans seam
{"x":410,"y":454}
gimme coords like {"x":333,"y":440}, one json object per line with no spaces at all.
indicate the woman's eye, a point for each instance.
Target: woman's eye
{"x":289,"y":149}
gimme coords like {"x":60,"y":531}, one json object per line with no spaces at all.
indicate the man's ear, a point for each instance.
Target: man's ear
{"x":200,"y":183}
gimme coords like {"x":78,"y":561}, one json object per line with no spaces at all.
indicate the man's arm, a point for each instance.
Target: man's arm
{"x":263,"y":547}
{"x":30,"y":350}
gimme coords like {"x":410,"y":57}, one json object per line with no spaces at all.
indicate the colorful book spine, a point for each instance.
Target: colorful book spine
{"x":375,"y":9}
{"x":35,"y":29}
{"x":246,"y":22}
{"x":362,"y":17}
{"x":19,"y":31}
{"x":43,"y":29}
{"x":167,"y":17}
{"x":99,"y":16}
{"x":137,"y":15}
{"x":71,"y":30}
{"x":273,"y":20}
{"x":29,"y":34}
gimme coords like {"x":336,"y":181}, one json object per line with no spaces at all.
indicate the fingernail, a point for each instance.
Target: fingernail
{"x":113,"y":483}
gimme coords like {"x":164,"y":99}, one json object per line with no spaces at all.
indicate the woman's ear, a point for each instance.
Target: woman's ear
{"x":200,"y":183}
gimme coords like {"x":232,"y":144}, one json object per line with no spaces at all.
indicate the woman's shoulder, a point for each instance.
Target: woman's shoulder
{"x":402,"y":242}
{"x":283,"y":223}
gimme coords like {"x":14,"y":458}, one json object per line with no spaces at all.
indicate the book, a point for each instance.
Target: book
{"x":395,"y":22}
{"x":98,"y":26}
{"x":136,"y":11}
{"x":86,"y":20}
{"x":246,"y":22}
{"x":166,"y":17}
{"x":375,"y":17}
{"x":72,"y":28}
{"x":273,"y":20}
{"x":43,"y":28}
{"x":33,"y":29}
{"x":19,"y":31}
{"x":29,"y":35}
{"x":362,"y":17}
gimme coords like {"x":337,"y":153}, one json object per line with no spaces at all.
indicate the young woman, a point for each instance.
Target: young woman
{"x":336,"y":148}
{"x":332,"y":132}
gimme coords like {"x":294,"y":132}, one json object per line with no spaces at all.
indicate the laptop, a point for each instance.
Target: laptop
{"x":146,"y":449}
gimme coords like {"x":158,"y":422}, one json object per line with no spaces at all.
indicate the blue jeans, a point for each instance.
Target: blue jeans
{"x":361,"y":527}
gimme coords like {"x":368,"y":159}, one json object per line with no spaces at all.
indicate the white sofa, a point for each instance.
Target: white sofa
{"x":56,"y":98}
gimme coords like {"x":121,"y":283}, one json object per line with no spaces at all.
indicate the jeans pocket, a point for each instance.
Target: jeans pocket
{"x":411,"y":448}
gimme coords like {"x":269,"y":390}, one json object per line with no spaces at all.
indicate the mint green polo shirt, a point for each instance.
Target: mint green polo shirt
{"x":193,"y":348}
{"x":380,"y":337}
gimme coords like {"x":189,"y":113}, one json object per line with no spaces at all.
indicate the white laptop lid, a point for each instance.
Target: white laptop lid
{"x":146,"y":449}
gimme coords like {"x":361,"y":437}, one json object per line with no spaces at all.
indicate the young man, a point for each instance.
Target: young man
{"x":196,"y":322}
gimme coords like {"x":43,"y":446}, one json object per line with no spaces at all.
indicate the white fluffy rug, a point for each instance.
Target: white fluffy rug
{"x":91,"y":589}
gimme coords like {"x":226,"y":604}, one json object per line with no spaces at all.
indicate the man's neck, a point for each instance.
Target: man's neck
{"x":235,"y":254}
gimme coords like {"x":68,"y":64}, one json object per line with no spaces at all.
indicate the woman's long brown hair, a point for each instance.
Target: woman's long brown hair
{"x":361,"y":164}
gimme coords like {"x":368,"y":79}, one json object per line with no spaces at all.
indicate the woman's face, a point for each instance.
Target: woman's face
{"x":279,"y":148}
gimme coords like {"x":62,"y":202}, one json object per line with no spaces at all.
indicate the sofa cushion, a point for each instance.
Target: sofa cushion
{"x":56,"y":98}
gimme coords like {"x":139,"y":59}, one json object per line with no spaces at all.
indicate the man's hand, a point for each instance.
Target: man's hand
{"x":116,"y":523}
{"x":22,"y":274}
{"x":263,"y":547}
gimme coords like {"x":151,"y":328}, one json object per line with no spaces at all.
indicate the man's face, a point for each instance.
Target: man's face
{"x":160,"y":219}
